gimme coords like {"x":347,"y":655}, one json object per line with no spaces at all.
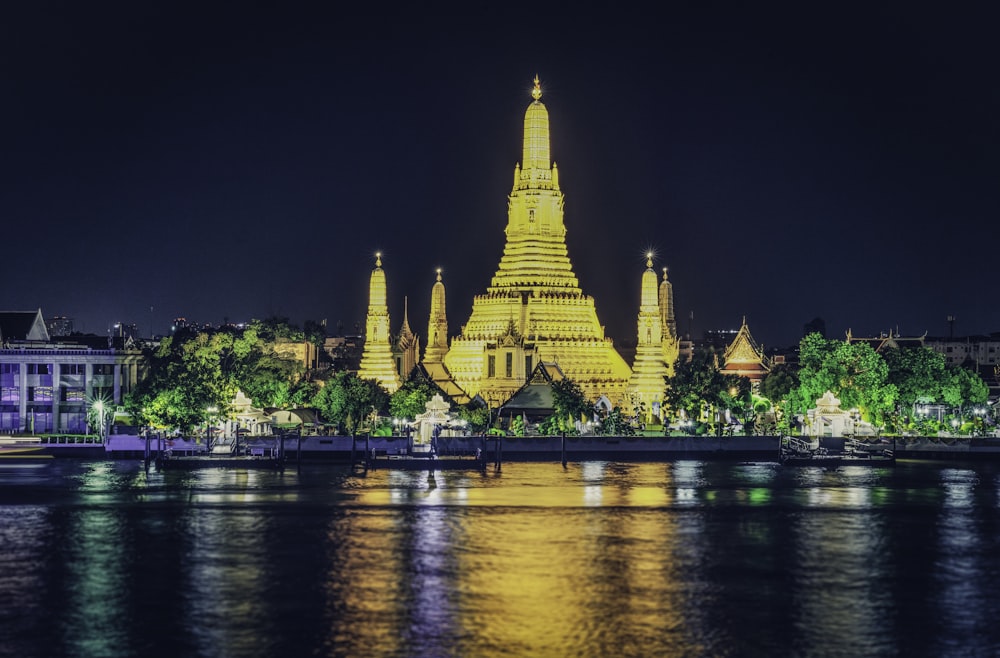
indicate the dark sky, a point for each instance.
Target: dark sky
{"x":234,"y":161}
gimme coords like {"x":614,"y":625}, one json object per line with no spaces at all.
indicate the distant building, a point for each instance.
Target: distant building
{"x":59,"y":326}
{"x":50,"y":386}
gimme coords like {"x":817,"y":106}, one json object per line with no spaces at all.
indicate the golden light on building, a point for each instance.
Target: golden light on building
{"x":377,"y":361}
{"x":534,"y":309}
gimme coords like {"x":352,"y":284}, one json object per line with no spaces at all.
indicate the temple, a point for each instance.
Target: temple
{"x":406,"y":347}
{"x":745,"y":358}
{"x":656,"y":345}
{"x":377,"y":361}
{"x":534,"y":310}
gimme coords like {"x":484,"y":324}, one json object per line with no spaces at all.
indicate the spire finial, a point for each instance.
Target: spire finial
{"x":378,"y":259}
{"x":649,"y":259}
{"x":536,"y":93}
{"x":439,"y":273}
{"x":664,"y":272}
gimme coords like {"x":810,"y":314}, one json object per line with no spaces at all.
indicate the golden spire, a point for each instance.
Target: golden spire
{"x":536,"y":93}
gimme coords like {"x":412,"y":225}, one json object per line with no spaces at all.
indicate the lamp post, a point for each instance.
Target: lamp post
{"x":208,"y":427}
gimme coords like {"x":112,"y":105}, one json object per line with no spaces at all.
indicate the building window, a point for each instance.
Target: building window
{"x":528,"y":366}
{"x":9,"y":394}
{"x":73,"y":394}
{"x":510,"y":364}
{"x":39,"y":394}
{"x":72,"y":368}
{"x":491,"y":366}
{"x":10,"y":368}
{"x":39,"y":369}
{"x":104,"y":369}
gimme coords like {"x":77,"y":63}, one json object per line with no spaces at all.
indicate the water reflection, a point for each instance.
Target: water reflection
{"x":691,"y":558}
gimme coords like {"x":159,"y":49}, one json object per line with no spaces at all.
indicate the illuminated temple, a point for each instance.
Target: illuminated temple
{"x":656,"y":343}
{"x":377,"y":360}
{"x":534,"y":310}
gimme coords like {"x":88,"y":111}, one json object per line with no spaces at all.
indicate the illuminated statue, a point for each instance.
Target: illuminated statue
{"x":376,"y":360}
{"x":533,"y":309}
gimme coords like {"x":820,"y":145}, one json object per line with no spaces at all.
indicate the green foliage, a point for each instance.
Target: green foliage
{"x":917,"y":373}
{"x":698,"y":386}
{"x":779,"y":383}
{"x":411,"y":398}
{"x":853,"y":372}
{"x":517,"y":426}
{"x":569,"y":405}
{"x":190,"y":372}
{"x":478,"y":418}
{"x":616,"y":424}
{"x":963,"y":387}
{"x":348,"y":401}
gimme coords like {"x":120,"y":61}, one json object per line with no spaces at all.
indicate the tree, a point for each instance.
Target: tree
{"x":411,"y":398}
{"x":347,"y":401}
{"x":569,"y":405}
{"x":918,"y":373}
{"x":963,"y":387}
{"x":853,"y":372}
{"x":192,"y":372}
{"x":698,"y":386}
{"x":615,"y":424}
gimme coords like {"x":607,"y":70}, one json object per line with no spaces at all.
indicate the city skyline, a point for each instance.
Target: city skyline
{"x":783,"y":164}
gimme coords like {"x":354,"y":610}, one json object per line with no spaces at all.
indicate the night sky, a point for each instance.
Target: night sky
{"x":227,"y":161}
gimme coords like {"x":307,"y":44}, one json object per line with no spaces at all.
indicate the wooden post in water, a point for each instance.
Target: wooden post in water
{"x":564,"y":449}
{"x":146,"y":456}
{"x":499,"y":454}
{"x":298,"y":449}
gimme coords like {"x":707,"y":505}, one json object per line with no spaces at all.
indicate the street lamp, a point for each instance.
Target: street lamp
{"x":99,"y":408}
{"x":208,"y":427}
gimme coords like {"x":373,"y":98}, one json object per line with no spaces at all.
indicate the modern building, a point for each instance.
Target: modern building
{"x":57,"y":386}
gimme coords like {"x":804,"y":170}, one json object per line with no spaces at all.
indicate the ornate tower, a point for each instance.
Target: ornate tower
{"x":671,"y":341}
{"x":437,"y":325}
{"x":647,"y":383}
{"x":406,"y":349}
{"x":376,"y":360}
{"x":534,"y":309}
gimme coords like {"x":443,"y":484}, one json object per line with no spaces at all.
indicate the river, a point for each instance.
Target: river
{"x":686,"y":558}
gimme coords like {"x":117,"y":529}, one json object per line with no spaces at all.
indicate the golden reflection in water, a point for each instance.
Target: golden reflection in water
{"x":548,"y":580}
{"x":506,"y":571}
{"x":363,"y":585}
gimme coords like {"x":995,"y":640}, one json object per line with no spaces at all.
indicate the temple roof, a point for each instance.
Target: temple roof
{"x":22,"y":325}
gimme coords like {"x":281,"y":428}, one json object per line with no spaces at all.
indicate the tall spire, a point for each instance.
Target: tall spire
{"x":376,"y":360}
{"x":646,"y":385}
{"x":437,"y":325}
{"x":405,"y":331}
{"x":535,"y":156}
{"x":667,"y":317}
{"x":534,"y":309}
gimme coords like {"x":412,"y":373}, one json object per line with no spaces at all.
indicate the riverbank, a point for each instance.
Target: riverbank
{"x":534,"y":448}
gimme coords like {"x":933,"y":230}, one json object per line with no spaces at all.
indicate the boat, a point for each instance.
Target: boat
{"x":22,"y":448}
{"x":794,"y":451}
